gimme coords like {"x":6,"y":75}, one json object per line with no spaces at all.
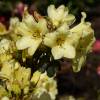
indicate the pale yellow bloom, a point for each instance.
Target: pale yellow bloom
{"x":59,"y":15}
{"x":22,"y":76}
{"x":59,"y":44}
{"x":17,"y":77}
{"x":32,"y":33}
{"x":46,"y":85}
{"x":83,"y":37}
{"x":24,"y":37}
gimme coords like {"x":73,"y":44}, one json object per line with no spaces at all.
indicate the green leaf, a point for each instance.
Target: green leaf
{"x":50,"y":71}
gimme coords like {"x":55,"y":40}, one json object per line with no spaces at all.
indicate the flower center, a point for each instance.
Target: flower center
{"x":60,"y":39}
{"x":37,"y":33}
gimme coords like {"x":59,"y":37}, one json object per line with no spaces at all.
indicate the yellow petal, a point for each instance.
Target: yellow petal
{"x":56,"y":15}
{"x":24,"y":29}
{"x":22,"y":75}
{"x":9,"y":67}
{"x":28,"y":19}
{"x":27,"y":25}
{"x":66,"y":50}
{"x":60,"y":15}
{"x":42,"y":25}
{"x":3,"y":76}
{"x":6,"y":69}
{"x":50,"y":39}
{"x":34,"y":46}
{"x":63,"y":29}
{"x":24,"y":42}
{"x":69,"y":19}
{"x":46,"y":84}
{"x":60,"y":12}
{"x":69,"y":51}
{"x":81,"y":27}
{"x":57,"y":52}
{"x":51,"y":11}
{"x":35,"y":77}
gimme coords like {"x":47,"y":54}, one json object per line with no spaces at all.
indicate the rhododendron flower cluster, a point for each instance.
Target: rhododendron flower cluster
{"x":21,"y":44}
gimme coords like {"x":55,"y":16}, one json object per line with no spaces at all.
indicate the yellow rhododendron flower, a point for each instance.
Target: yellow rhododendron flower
{"x":22,"y":76}
{"x":46,"y":84}
{"x":32,"y":33}
{"x":24,"y":37}
{"x":83,"y":37}
{"x":79,"y":31}
{"x":59,"y":44}
{"x":60,"y":15}
{"x":17,"y":77}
